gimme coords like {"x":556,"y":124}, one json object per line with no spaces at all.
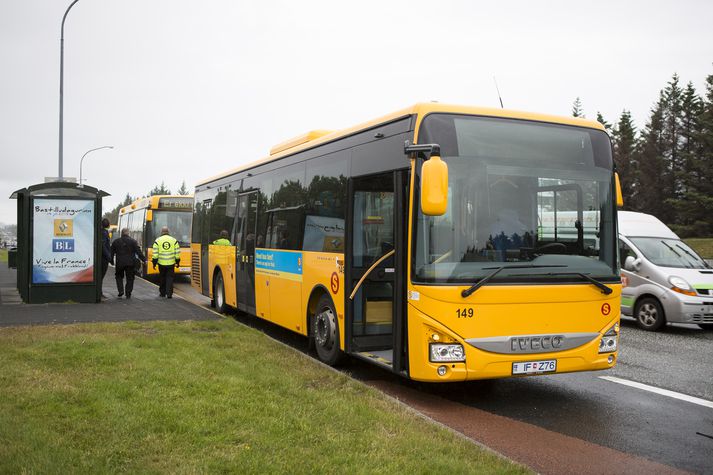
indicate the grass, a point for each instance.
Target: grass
{"x":703,"y":246}
{"x":188,"y":397}
{"x":3,"y":255}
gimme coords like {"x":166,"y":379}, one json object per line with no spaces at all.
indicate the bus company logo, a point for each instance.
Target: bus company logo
{"x":539,"y":342}
{"x":334,"y":283}
{"x":63,"y":227}
{"x":62,"y":245}
{"x":606,"y":309}
{"x":166,"y":245}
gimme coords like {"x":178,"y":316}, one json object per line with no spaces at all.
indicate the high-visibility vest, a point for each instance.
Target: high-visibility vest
{"x":221,"y":242}
{"x":166,"y":250}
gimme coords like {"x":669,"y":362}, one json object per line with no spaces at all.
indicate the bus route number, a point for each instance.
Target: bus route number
{"x":466,"y":312}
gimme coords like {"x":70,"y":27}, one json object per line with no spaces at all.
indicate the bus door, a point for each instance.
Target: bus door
{"x":206,"y":240}
{"x":375,"y":270}
{"x":247,"y":220}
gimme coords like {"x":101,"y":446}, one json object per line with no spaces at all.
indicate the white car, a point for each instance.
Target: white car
{"x":666,"y":280}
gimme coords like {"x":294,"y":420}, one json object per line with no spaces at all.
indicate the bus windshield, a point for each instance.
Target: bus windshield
{"x":533,"y":196}
{"x":178,"y":222}
{"x":667,"y":252}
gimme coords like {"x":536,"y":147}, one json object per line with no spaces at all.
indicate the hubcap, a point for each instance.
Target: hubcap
{"x":648,"y":314}
{"x":325,"y":328}
{"x":219,"y":293}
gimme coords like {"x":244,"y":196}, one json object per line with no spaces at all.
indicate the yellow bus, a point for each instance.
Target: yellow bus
{"x":417,"y":242}
{"x":146,"y":216}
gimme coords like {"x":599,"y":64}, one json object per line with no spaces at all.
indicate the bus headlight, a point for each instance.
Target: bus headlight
{"x":609,"y":341}
{"x":446,"y":352}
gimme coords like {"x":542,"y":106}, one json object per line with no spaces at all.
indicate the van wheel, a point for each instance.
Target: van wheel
{"x":649,"y":314}
{"x":219,"y":294}
{"x":325,"y":330}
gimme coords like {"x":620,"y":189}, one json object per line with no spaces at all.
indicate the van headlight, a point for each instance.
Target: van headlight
{"x":681,"y":286}
{"x":446,"y":352}
{"x":609,"y":342}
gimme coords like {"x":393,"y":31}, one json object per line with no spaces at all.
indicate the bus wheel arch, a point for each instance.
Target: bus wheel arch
{"x":649,"y":313}
{"x":218,"y":300}
{"x":324,"y":329}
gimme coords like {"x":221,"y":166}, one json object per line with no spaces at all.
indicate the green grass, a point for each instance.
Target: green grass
{"x":188,"y":397}
{"x":3,"y":255}
{"x":703,"y":246}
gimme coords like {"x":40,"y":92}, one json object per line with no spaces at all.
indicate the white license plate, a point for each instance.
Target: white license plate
{"x":184,"y":269}
{"x":534,"y":367}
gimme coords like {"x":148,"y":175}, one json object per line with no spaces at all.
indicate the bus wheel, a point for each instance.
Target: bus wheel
{"x":325,"y":330}
{"x":219,"y":294}
{"x":706,"y":326}
{"x":649,"y":314}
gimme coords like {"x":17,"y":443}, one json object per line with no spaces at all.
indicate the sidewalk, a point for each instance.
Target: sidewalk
{"x":145,"y":304}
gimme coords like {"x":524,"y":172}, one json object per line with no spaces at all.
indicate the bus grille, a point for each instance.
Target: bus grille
{"x":196,"y":268}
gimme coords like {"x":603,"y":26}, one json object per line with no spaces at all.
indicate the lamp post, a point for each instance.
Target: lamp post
{"x":82,"y":160}
{"x":61,"y":88}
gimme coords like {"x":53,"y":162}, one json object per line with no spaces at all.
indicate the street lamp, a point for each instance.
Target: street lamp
{"x":61,"y":87}
{"x":82,"y":160}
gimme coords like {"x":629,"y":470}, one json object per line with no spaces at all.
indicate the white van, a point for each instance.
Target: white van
{"x":667,"y":281}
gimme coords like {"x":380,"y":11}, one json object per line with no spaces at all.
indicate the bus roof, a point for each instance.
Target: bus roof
{"x":318,"y":137}
{"x":151,"y":202}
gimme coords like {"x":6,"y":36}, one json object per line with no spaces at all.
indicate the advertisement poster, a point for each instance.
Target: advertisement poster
{"x":63,"y":241}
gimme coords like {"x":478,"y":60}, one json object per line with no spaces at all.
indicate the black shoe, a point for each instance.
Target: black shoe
{"x":122,"y":293}
{"x":128,"y":296}
{"x":161,"y":295}
{"x":169,"y":296}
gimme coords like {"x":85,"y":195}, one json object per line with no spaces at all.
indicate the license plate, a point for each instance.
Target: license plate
{"x":184,"y":269}
{"x":534,"y":367}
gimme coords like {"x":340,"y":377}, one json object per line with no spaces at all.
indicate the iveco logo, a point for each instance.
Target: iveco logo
{"x":528,"y":344}
{"x":523,"y":344}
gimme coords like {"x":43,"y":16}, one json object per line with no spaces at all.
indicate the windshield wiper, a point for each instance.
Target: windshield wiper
{"x":605,"y":290}
{"x":486,"y":279}
{"x":696,"y":260}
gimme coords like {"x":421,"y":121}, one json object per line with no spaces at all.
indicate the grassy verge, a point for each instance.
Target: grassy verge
{"x":202,"y":397}
{"x":703,"y":246}
{"x":3,"y":255}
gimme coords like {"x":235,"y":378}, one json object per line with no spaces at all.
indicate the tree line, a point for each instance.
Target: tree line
{"x":666,"y":168}
{"x":162,"y":189}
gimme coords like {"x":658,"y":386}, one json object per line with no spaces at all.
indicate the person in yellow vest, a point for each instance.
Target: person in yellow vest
{"x":167,"y":254}
{"x":223,"y":239}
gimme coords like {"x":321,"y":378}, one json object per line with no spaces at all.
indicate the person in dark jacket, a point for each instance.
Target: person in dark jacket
{"x":106,"y":249}
{"x":126,"y":250}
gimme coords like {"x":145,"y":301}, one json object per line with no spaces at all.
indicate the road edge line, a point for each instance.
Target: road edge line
{"x":661,"y":391}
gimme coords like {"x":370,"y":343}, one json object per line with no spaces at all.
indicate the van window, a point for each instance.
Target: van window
{"x":625,"y":251}
{"x":667,"y":252}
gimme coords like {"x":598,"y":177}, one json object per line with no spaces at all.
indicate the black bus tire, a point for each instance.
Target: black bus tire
{"x":219,"y":294}
{"x":325,"y":331}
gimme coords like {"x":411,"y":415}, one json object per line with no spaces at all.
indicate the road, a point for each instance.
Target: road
{"x":580,"y":422}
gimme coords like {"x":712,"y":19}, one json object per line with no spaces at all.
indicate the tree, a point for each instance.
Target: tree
{"x":160,"y":190}
{"x":113,"y":215}
{"x":649,"y":155}
{"x":607,"y":125}
{"x":672,"y":96}
{"x":182,"y":190}
{"x":577,"y":108}
{"x":624,"y":145}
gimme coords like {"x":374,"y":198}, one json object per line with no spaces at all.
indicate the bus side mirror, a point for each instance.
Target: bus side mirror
{"x":619,"y":195}
{"x":149,"y":215}
{"x":434,"y":187}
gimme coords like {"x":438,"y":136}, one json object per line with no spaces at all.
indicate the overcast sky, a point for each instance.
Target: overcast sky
{"x":187,"y":89}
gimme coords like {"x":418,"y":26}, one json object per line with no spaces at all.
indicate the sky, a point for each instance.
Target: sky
{"x":187,"y":90}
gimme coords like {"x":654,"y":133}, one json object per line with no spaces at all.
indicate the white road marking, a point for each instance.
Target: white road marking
{"x":664,"y":392}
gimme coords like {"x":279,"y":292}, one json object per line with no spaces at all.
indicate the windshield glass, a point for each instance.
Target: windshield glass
{"x":178,"y":222}
{"x":669,"y":253}
{"x":519,"y":194}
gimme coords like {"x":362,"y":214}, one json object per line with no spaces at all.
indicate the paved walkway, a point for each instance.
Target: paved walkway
{"x":145,"y":304}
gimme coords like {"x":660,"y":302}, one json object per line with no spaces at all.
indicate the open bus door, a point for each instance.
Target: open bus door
{"x":375,"y":269}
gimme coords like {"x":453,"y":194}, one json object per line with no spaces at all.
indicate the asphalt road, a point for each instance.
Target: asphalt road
{"x":580,"y":422}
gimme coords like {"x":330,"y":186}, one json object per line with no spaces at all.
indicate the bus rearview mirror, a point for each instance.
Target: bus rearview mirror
{"x":434,"y":187}
{"x":149,"y":215}
{"x":619,"y":195}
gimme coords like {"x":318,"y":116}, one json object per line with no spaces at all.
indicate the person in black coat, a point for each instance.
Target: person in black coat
{"x":106,"y":249}
{"x":126,"y":250}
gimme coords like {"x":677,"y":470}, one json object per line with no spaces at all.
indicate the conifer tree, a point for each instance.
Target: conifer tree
{"x":671,"y":135}
{"x":624,"y":144}
{"x":650,"y":157}
{"x":182,"y":190}
{"x":601,"y":120}
{"x":160,"y":190}
{"x":577,"y":108}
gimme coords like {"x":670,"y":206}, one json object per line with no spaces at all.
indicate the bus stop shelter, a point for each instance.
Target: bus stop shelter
{"x":59,"y":242}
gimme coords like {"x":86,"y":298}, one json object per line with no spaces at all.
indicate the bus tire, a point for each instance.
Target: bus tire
{"x":649,"y":314}
{"x":325,"y":331}
{"x":706,"y":326}
{"x":219,"y":294}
